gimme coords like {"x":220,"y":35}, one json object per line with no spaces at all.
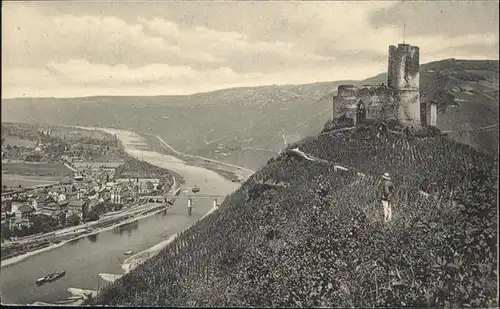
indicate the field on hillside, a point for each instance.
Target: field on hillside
{"x":264,"y":117}
{"x":304,"y":233}
{"x":35,"y":169}
{"x":14,"y":181}
{"x":15,"y":141}
{"x":33,"y":174}
{"x":58,"y":131}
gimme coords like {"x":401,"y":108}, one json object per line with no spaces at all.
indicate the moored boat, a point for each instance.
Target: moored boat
{"x":128,"y":252}
{"x":40,"y":281}
{"x":55,"y":275}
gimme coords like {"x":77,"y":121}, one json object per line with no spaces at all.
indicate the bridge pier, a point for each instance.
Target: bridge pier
{"x":190,"y":206}
{"x":215,"y":203}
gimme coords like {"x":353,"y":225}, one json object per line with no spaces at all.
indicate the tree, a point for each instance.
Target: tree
{"x":92,"y":215}
{"x":16,"y":232}
{"x":62,"y":218}
{"x":85,"y":210}
{"x":6,"y":232}
{"x":37,"y":225}
{"x":73,"y":220}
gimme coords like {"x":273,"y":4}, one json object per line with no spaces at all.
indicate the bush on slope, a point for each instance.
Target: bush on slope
{"x":300,"y":234}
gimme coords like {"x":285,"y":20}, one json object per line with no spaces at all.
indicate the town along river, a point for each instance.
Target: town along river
{"x":85,"y":258}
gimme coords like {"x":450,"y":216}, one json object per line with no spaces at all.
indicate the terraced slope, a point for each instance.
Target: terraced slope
{"x":309,"y":233}
{"x":466,"y":92}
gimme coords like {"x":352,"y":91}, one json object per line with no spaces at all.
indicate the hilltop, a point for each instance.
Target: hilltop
{"x":304,"y":231}
{"x":467,"y":95}
{"x":254,"y":123}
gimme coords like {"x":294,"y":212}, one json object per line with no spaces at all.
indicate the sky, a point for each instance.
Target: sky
{"x":73,"y":49}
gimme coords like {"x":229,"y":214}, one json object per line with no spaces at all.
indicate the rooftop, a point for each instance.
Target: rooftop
{"x":25,"y":209}
{"x":77,"y":203}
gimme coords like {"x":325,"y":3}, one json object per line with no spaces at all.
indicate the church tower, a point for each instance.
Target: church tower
{"x":403,"y":80}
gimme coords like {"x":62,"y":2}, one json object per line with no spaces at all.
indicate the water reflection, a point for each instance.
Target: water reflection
{"x":73,"y":241}
{"x":127,"y":227}
{"x":92,"y":238}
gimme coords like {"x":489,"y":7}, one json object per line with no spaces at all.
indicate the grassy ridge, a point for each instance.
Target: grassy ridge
{"x":299,"y":233}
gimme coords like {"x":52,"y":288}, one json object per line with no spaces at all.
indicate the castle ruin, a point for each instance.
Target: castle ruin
{"x":399,"y":99}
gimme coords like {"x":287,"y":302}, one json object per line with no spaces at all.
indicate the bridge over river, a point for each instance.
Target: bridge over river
{"x":170,"y":199}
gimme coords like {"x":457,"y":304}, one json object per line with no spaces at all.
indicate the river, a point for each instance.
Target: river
{"x":85,"y":258}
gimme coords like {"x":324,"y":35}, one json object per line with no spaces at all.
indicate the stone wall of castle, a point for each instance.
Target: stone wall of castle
{"x":408,"y":102}
{"x":373,"y":97}
{"x":403,"y":70}
{"x":428,"y":113}
{"x":400,"y":99}
{"x":404,"y":78}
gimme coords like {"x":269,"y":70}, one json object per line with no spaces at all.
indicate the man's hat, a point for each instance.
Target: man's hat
{"x":386,"y":176}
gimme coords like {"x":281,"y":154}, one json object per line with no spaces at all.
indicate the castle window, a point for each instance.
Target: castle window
{"x":361,"y":112}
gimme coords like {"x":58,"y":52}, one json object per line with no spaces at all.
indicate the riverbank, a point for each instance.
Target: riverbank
{"x":77,"y":232}
{"x":108,"y":248}
{"x":229,"y":171}
{"x":82,"y":231}
{"x":137,"y":259}
{"x":16,"y":251}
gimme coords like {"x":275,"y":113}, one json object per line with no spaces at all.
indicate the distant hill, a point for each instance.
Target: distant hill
{"x":254,"y":123}
{"x":467,"y":95}
{"x":303,"y":232}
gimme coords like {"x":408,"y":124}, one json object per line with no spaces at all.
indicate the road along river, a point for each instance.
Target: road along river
{"x":84,"y":258}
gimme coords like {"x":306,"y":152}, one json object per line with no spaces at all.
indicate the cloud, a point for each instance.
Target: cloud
{"x":234,"y":48}
{"x":346,"y":29}
{"x":82,"y":78}
{"x":175,"y":48}
{"x":448,"y":18}
{"x":39,"y":39}
{"x":437,"y":47}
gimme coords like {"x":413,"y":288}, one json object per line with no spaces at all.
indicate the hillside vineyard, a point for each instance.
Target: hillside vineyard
{"x":302,"y":233}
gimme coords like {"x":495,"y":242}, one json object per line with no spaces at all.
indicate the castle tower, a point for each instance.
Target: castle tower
{"x":404,"y":80}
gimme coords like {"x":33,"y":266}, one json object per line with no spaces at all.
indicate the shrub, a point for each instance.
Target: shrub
{"x":73,"y":220}
{"x":92,"y":216}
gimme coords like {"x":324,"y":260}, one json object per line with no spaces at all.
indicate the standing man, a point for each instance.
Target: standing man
{"x":406,"y":132}
{"x":387,"y":189}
